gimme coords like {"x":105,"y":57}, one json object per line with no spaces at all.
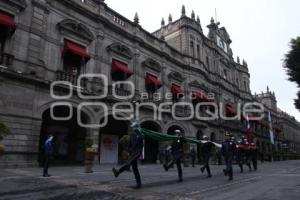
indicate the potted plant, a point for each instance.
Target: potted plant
{"x":3,"y":132}
{"x":90,"y":152}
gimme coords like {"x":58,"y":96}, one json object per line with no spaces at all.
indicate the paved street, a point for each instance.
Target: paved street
{"x":276,"y":180}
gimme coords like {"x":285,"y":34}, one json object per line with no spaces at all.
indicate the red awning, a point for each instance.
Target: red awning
{"x":230,"y":110}
{"x":7,"y":20}
{"x":152,"y":81}
{"x":175,"y":89}
{"x":76,"y":49}
{"x":199,"y":96}
{"x":118,"y":66}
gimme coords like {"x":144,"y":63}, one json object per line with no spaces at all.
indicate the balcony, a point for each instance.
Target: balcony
{"x":118,"y":91}
{"x":6,"y":59}
{"x":64,"y":76}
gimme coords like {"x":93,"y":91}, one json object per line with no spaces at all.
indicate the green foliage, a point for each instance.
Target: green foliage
{"x":292,"y":65}
{"x":3,"y":131}
{"x":88,"y":142}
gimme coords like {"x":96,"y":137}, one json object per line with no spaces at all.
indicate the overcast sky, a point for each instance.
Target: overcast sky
{"x":260,"y":31}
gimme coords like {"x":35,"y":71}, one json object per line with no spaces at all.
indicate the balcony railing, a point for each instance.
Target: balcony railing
{"x":118,"y":91}
{"x":65,"y":76}
{"x":6,"y":59}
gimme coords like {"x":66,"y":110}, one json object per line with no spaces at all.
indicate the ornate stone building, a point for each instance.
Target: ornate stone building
{"x":43,"y":41}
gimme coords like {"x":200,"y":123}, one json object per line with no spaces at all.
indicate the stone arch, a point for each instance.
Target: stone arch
{"x":88,"y":111}
{"x":179,"y":124}
{"x":152,"y":147}
{"x":69,"y":136}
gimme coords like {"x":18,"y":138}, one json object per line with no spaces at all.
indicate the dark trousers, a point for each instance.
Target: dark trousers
{"x":46,"y":164}
{"x":176,"y":161}
{"x":240,"y":161}
{"x":228,"y":161}
{"x":193,"y":161}
{"x":254,"y":162}
{"x":133,"y":161}
{"x":206,"y":164}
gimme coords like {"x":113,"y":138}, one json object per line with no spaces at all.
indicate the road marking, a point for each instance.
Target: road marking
{"x":216,"y":187}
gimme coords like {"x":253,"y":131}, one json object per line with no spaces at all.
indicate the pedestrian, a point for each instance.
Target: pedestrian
{"x":228,"y":150}
{"x":206,"y":153}
{"x":48,"y":152}
{"x":135,"y":148}
{"x":177,"y":153}
{"x":193,"y":156}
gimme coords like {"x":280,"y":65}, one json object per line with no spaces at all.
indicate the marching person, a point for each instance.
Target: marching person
{"x":193,"y":156}
{"x":48,"y":152}
{"x":206,"y":153}
{"x":240,"y":155}
{"x":253,"y":153}
{"x":178,"y":154}
{"x":135,"y":148}
{"x":228,"y":150}
{"x":248,"y":154}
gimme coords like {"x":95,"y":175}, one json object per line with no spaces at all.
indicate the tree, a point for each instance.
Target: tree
{"x":3,"y":131}
{"x":292,"y":66}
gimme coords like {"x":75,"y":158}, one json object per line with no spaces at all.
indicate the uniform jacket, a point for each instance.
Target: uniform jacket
{"x":177,"y":148}
{"x":136,"y":143}
{"x":228,"y":148}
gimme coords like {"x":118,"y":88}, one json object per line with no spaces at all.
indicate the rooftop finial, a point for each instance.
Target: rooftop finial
{"x":212,"y":21}
{"x":170,"y":18}
{"x":238,"y":60}
{"x":162,"y":22}
{"x":136,"y":18}
{"x":198,"y":19}
{"x":193,"y":15}
{"x":183,"y":11}
{"x":268,"y":89}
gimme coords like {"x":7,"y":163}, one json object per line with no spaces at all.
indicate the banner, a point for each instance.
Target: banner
{"x":271,"y":129}
{"x":109,"y":149}
{"x":166,"y":137}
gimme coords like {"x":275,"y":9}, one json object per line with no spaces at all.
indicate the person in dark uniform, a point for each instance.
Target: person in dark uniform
{"x":228,"y":150}
{"x":206,"y":153}
{"x":253,"y":151}
{"x":177,"y":153}
{"x":135,"y":148}
{"x":193,"y":156}
{"x":240,"y":155}
{"x":48,"y":152}
{"x":248,"y":155}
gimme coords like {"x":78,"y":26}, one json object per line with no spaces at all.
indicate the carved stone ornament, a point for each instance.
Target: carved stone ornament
{"x":176,"y":76}
{"x":198,"y":85}
{"x":73,"y":27}
{"x":152,"y":64}
{"x":120,"y":49}
{"x":20,"y":4}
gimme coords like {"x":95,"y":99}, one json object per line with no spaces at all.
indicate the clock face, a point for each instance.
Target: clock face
{"x":221,"y":44}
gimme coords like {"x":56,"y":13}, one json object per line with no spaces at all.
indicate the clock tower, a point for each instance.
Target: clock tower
{"x":219,"y":36}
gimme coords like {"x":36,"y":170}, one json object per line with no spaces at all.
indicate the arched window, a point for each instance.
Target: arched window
{"x":192,"y":49}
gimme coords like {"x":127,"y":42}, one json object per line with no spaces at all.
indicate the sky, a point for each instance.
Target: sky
{"x":260,"y":30}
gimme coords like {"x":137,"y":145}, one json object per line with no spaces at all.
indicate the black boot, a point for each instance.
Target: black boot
{"x":116,"y":173}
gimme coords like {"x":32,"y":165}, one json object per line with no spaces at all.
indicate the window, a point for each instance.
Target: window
{"x":207,"y":62}
{"x":245,"y":84}
{"x":7,"y":28}
{"x":198,"y":51}
{"x":74,"y":60}
{"x":225,"y":74}
{"x":192,"y":49}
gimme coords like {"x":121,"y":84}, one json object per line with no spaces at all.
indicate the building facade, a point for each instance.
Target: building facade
{"x":45,"y":41}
